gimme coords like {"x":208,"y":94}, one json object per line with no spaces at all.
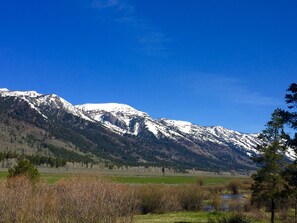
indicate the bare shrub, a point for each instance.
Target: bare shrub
{"x":21,"y":201}
{"x":216,"y":189}
{"x":234,"y":187}
{"x":43,"y":204}
{"x":246,"y":184}
{"x":170,"y":194}
{"x":247,"y":205}
{"x":78,"y":199}
{"x":89,"y":199}
{"x":216,"y":201}
{"x":284,"y":210}
{"x":151,"y":199}
{"x":236,"y":205}
{"x":14,"y":198}
{"x":284,"y":215}
{"x":200,"y":181}
{"x":257,"y":213}
{"x":191,"y":197}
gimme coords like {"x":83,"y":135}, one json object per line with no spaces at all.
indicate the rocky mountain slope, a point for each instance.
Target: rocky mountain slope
{"x":48,"y":124}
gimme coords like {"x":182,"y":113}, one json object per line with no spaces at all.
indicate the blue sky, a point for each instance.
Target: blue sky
{"x":210,"y":62}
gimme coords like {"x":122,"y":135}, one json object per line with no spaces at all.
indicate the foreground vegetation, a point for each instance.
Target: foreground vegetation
{"x":77,"y":199}
{"x":93,"y":198}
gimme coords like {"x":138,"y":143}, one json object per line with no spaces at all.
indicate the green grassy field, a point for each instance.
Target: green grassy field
{"x":186,"y":217}
{"x":182,"y":217}
{"x":210,"y":180}
{"x":3,"y":175}
{"x":48,"y":177}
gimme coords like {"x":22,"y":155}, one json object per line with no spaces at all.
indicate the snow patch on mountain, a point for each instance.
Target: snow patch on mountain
{"x":183,"y":126}
{"x":120,"y":118}
{"x":112,"y":107}
{"x":37,"y":100}
{"x":3,"y":89}
{"x":57,"y":102}
{"x":5,"y":92}
{"x":125,"y":119}
{"x":24,"y":95}
{"x":217,"y":134}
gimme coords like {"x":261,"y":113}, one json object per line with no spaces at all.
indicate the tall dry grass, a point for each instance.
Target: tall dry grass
{"x":163,"y":198}
{"x":192,"y":197}
{"x":84,"y":199}
{"x":151,"y":199}
{"x":78,"y":199}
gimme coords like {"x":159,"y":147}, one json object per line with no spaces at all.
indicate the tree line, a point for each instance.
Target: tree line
{"x":35,"y":159}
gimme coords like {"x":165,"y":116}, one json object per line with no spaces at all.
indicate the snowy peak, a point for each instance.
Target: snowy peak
{"x":54,"y":101}
{"x":120,"y":118}
{"x":125,"y":119}
{"x":5,"y":92}
{"x":182,"y":126}
{"x":111,"y":107}
{"x":3,"y":89}
{"x":246,"y":143}
{"x":42,"y":102}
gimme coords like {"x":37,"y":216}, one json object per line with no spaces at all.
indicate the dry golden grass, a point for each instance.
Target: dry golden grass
{"x":78,"y":199}
{"x":153,"y":198}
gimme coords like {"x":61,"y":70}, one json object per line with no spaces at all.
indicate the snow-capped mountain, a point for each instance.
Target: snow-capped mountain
{"x":215,"y":134}
{"x":124,"y":119}
{"x":122,"y":134}
{"x":41,"y":102}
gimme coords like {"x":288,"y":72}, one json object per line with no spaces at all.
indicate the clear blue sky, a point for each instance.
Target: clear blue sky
{"x":209,"y":62}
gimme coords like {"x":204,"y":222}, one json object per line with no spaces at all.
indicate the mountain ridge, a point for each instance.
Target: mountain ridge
{"x":124,"y":135}
{"x":169,"y":128}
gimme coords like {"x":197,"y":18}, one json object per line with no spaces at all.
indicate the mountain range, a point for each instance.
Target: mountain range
{"x":48,"y":125}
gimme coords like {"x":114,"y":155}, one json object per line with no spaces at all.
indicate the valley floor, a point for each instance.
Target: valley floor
{"x":51,"y":175}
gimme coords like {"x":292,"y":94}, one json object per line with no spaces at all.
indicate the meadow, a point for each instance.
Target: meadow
{"x":207,"y":180}
{"x":69,"y":197}
{"x":132,"y":179}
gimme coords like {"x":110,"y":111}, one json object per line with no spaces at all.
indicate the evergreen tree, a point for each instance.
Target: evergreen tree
{"x":291,"y":171}
{"x":24,"y":168}
{"x":269,"y":185}
{"x":290,"y":175}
